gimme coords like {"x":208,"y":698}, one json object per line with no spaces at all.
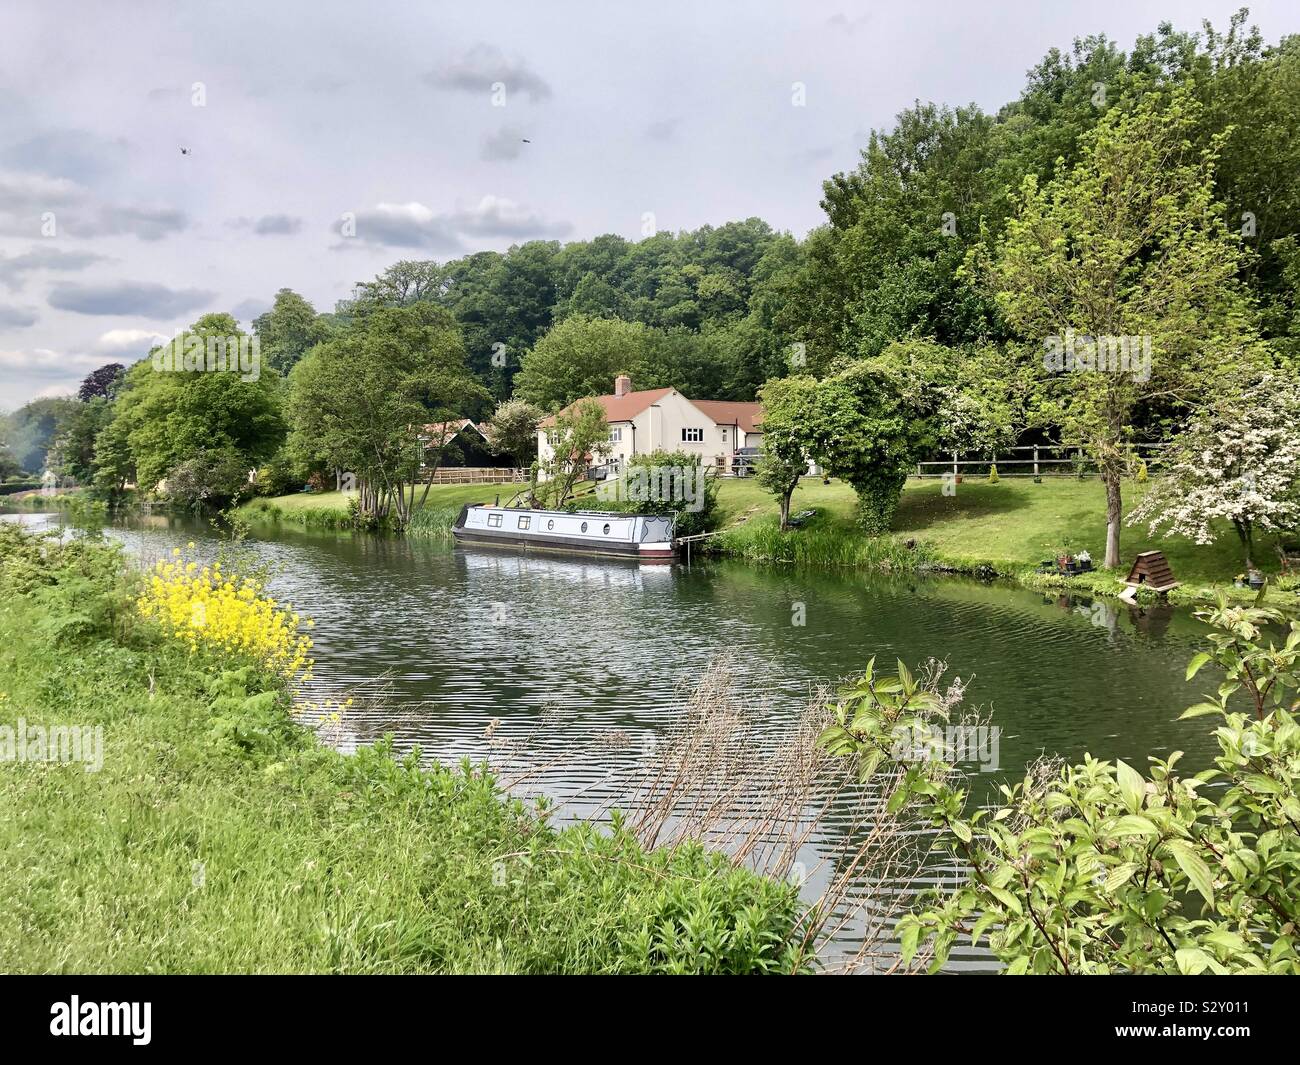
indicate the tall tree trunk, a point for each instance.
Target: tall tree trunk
{"x":1247,"y":535}
{"x":785,"y":509}
{"x":1110,"y":474}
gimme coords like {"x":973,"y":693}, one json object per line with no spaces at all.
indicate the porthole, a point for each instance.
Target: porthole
{"x":584,"y":526}
{"x":607,"y":528}
{"x":550,"y":525}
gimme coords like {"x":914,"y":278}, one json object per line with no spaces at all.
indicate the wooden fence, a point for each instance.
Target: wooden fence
{"x":1031,"y":460}
{"x":479,"y":475}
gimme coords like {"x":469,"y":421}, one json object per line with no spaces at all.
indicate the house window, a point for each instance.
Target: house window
{"x":494,"y":520}
{"x":616,"y":435}
{"x":693,"y":436}
{"x":524,"y":521}
{"x":724,"y":436}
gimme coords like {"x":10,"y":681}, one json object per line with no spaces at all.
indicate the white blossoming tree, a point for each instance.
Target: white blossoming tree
{"x":1238,"y":462}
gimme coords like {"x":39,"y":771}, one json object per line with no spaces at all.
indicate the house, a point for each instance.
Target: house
{"x":662,"y":419}
{"x":463,"y":442}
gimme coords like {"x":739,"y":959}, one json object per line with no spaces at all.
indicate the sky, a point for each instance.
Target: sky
{"x":159,"y":161}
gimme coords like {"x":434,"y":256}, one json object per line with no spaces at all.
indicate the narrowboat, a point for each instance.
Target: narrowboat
{"x":645,"y":537}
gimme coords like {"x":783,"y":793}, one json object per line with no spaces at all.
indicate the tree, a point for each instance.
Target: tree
{"x":1238,"y":461}
{"x":76,"y":442}
{"x":1124,"y":270}
{"x":102,"y":383}
{"x":34,"y":428}
{"x":866,"y":428}
{"x":1096,"y":868}
{"x":359,"y":402}
{"x":512,"y":431}
{"x":788,"y":405}
{"x":576,"y":437}
{"x":288,"y":331}
{"x":578,"y":358}
{"x":167,"y":417}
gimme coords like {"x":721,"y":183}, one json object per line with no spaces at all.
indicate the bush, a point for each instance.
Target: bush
{"x":993,"y":474}
{"x":1093,"y":868}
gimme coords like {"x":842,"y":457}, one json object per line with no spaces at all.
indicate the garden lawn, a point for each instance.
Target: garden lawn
{"x":1014,"y":524}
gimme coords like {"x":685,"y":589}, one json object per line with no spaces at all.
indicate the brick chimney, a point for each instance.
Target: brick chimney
{"x":622,"y":385}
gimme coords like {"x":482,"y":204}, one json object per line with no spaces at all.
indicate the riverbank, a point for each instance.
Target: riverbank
{"x":207,"y":830}
{"x":1004,"y":530}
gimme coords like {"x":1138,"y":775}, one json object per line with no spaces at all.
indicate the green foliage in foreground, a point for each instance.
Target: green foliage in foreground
{"x":220,"y":837}
{"x":1094,"y":868}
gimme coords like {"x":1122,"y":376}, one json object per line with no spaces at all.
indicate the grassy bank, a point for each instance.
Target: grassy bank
{"x":1004,"y":529}
{"x":218,"y":836}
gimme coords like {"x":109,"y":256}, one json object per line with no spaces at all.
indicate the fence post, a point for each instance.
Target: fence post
{"x":954,"y":465}
{"x":1035,"y":460}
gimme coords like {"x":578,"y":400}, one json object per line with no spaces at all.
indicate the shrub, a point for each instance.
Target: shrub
{"x":1093,"y":868}
{"x":993,"y":474}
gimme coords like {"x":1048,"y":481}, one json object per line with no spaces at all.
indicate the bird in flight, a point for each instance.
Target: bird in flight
{"x":185,"y":151}
{"x":526,"y":140}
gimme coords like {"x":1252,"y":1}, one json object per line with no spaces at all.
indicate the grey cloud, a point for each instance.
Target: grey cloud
{"x":17,"y":317}
{"x":128,"y":297}
{"x":146,"y":223}
{"x":413,"y":225}
{"x":269,"y":224}
{"x":483,"y":66}
{"x":247,"y":310}
{"x":841,"y":21}
{"x":67,"y":153}
{"x":505,"y":143}
{"x":402,"y":225}
{"x":663,"y":130}
{"x":13,"y":269}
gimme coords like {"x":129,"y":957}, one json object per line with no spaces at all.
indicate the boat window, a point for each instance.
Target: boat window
{"x":550,"y":525}
{"x":584,"y":526}
{"x":494,"y":520}
{"x":524,"y":521}
{"x":606,"y":528}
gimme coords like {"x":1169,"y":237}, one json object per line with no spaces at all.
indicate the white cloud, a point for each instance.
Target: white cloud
{"x":126,"y":340}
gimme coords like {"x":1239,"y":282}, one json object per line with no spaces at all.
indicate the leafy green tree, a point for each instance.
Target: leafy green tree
{"x":789,"y":406}
{"x":1128,"y":244}
{"x":578,"y":358}
{"x":288,"y":331}
{"x":578,"y":436}
{"x":1094,"y":868}
{"x":867,"y":429}
{"x":168,"y":417}
{"x":76,"y":442}
{"x":33,"y":428}
{"x":359,"y":402}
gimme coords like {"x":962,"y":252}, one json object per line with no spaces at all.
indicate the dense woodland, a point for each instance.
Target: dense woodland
{"x":1153,"y":192}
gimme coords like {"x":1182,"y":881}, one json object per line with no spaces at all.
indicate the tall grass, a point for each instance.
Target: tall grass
{"x":820,"y":543}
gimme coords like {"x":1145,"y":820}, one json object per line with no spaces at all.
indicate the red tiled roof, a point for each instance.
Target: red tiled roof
{"x":626,"y":407}
{"x":619,"y":408}
{"x":747,"y":415}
